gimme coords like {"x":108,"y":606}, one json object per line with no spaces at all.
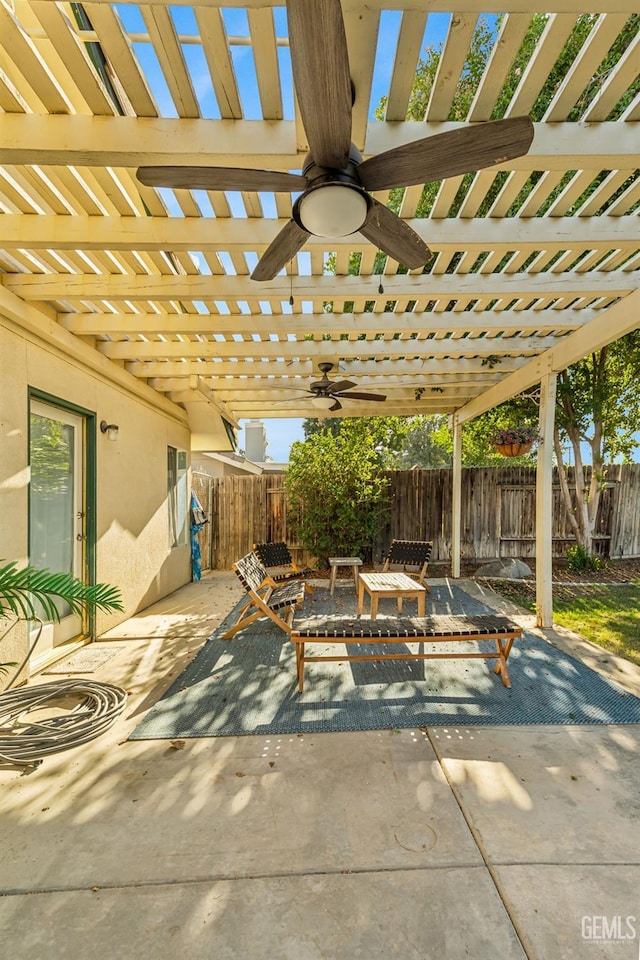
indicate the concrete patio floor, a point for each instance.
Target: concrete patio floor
{"x":471,"y":842}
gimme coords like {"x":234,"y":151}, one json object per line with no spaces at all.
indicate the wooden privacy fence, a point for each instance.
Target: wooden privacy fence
{"x":244,"y":511}
{"x":498,"y":514}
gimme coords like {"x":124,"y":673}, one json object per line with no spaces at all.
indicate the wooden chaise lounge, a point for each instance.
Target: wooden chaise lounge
{"x":276,"y":558}
{"x":278,"y":603}
{"x":405,"y":630}
{"x":410,"y":557}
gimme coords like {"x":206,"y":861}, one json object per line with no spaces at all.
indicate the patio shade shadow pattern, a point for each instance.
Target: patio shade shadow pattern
{"x":248,"y":685}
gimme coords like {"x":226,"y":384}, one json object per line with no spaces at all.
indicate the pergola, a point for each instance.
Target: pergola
{"x":534,"y":262}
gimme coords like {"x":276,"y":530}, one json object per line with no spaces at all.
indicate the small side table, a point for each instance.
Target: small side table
{"x":335,"y":562}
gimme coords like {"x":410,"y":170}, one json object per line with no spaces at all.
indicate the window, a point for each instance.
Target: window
{"x":231,"y":434}
{"x":177,"y":496}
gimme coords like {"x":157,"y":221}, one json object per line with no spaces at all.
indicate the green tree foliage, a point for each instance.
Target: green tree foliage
{"x":597,"y":407}
{"x":480,"y":48}
{"x":598,"y":404}
{"x":401,"y":443}
{"x":427,"y":444}
{"x":336,"y":493}
{"x":432,"y":443}
{"x":387,"y":434}
{"x":51,"y":466}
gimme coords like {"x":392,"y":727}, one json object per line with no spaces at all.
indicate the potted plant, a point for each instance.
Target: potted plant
{"x":30,"y":594}
{"x":514,"y":441}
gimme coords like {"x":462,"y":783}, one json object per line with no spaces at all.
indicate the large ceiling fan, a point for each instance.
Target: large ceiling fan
{"x":325,"y":394}
{"x":335,"y":184}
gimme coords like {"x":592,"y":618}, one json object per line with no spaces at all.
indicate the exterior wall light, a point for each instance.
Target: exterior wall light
{"x":110,"y":429}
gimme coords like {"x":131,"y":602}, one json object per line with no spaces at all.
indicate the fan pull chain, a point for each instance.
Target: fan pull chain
{"x":291,"y":283}
{"x":380,"y":287}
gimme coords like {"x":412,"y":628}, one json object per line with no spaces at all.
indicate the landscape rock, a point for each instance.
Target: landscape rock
{"x":509,"y":569}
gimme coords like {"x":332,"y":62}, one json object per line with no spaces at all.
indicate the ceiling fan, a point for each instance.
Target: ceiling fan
{"x":325,"y":393}
{"x":336,"y":183}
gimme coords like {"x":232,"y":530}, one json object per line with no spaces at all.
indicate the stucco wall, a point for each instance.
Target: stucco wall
{"x":132,"y":548}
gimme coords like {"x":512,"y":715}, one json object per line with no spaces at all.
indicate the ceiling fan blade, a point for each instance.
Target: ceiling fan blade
{"x":285,"y":245}
{"x":337,"y":406}
{"x":394,"y":236}
{"x":339,"y":385}
{"x":320,"y":64}
{"x":293,"y":399}
{"x":220,"y":178}
{"x":362,"y":396}
{"x":448,"y":154}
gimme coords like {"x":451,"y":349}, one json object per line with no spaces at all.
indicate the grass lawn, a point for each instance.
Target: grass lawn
{"x":606,"y":615}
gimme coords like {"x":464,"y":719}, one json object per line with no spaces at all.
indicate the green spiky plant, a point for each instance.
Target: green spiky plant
{"x":22,"y":590}
{"x":30,"y":594}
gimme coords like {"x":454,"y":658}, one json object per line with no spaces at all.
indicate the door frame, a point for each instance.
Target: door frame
{"x":89,"y":446}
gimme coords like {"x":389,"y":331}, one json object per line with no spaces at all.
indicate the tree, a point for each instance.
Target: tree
{"x":480,"y":48}
{"x":336,"y":493}
{"x":429,"y":442}
{"x":426,"y":444}
{"x":598,"y":405}
{"x":597,"y":408}
{"x":386,"y":433}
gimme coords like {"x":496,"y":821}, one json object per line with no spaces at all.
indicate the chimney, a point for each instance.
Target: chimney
{"x":255,"y":441}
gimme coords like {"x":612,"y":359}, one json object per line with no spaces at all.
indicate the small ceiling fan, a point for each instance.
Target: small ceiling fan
{"x":335,"y":185}
{"x":325,"y":393}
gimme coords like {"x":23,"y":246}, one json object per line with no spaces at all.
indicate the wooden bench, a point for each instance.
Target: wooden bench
{"x":396,"y":630}
{"x":265,"y":599}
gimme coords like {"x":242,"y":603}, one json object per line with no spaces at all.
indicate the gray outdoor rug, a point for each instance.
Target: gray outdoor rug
{"x":247,"y":685}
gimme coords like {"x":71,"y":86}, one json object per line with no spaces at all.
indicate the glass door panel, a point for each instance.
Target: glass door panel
{"x":56,"y":508}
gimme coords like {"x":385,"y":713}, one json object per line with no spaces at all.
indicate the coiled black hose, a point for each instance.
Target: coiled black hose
{"x":27,"y":741}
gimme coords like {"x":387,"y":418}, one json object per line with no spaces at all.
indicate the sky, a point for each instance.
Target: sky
{"x":281,"y":433}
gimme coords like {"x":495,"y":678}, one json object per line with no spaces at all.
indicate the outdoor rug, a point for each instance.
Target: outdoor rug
{"x":85,"y":660}
{"x":248,"y":685}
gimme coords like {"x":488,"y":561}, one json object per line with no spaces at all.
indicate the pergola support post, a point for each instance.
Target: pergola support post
{"x":456,"y":499}
{"x":544,"y":503}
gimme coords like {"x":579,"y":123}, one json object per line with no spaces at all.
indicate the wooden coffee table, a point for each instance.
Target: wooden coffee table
{"x":397,"y":585}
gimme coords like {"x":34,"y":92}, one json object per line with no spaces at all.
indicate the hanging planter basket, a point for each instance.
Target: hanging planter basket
{"x":513,"y":449}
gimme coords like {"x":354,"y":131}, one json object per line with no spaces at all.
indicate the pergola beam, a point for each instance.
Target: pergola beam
{"x":98,"y":324}
{"x":25,"y":231}
{"x":72,"y":287}
{"x":477,"y":347}
{"x":615,"y":322}
{"x":238,"y":386}
{"x":376,"y":371}
{"x":36,"y":325}
{"x":86,"y":141}
{"x":436,"y":6}
{"x":304,"y":409}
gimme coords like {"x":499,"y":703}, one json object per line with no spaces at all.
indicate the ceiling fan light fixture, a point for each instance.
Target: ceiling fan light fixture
{"x":323,"y":403}
{"x":332,"y":210}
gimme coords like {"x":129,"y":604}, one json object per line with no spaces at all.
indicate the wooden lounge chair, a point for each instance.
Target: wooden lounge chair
{"x":405,"y":630}
{"x":276,"y":558}
{"x":410,"y":557}
{"x":266,"y":600}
